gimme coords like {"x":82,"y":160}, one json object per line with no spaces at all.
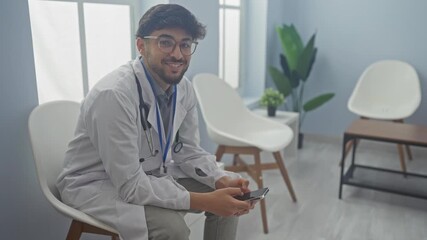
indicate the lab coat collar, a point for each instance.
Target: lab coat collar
{"x":149,"y":99}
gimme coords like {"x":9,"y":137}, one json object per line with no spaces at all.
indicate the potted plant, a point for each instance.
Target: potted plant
{"x":272,"y":99}
{"x":296,"y":63}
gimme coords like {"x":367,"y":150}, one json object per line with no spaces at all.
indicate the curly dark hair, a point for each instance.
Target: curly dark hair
{"x":170,"y":16}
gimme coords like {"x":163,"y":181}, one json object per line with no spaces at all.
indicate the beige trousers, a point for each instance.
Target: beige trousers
{"x":169,"y":224}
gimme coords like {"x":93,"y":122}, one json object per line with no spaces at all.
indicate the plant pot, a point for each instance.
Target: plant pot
{"x":300,"y":140}
{"x":271,"y":111}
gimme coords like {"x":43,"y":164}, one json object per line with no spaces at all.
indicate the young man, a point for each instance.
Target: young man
{"x":135,"y":162}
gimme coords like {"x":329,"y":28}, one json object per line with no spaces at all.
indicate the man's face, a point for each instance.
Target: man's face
{"x":166,"y":68}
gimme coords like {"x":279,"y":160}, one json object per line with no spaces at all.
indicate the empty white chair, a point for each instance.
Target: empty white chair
{"x":387,"y":90}
{"x":238,"y":131}
{"x":51,"y":127}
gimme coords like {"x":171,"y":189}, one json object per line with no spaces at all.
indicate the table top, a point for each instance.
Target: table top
{"x":281,"y":116}
{"x":389,"y":131}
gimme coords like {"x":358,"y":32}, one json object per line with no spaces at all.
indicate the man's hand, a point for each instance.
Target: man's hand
{"x":241,"y":183}
{"x":220,"y":202}
{"x":226,"y":182}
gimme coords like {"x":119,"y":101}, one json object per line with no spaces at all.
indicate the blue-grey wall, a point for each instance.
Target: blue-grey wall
{"x":205,"y":59}
{"x":24,"y":212}
{"x":350,"y":36}
{"x":206,"y":56}
{"x":254,"y":55}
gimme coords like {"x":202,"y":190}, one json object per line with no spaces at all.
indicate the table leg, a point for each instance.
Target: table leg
{"x":353,"y":156}
{"x":344,"y":143}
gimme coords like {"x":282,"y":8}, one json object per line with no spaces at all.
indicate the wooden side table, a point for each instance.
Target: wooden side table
{"x":292,"y":120}
{"x":387,"y":180}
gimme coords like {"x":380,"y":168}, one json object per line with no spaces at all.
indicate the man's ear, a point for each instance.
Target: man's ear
{"x":140,"y":45}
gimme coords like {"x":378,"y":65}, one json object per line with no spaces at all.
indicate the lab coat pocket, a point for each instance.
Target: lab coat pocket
{"x":148,"y":162}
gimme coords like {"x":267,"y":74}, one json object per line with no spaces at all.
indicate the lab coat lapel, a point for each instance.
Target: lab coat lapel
{"x":152,"y":117}
{"x":147,"y":94}
{"x":180,"y":111}
{"x":149,"y":99}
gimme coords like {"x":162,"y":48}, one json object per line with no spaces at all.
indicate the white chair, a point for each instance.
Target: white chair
{"x":387,"y":90}
{"x":239,"y":131}
{"x":51,"y":127}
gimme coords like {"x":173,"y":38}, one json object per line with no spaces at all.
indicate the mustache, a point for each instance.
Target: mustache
{"x":174,"y":60}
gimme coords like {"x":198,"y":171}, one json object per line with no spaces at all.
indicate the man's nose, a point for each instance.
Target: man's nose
{"x":176,"y":52}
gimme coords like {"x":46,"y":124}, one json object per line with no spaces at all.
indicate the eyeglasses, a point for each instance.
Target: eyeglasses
{"x":167,"y":45}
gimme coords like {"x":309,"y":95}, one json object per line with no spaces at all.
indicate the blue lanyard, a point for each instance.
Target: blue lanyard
{"x":165,"y":149}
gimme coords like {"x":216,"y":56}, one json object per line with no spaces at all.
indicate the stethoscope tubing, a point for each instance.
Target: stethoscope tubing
{"x":143,"y":111}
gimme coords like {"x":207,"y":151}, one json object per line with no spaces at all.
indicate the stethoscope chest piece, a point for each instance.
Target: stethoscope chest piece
{"x":178,"y":146}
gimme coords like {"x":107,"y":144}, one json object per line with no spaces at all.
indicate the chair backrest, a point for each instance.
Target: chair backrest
{"x":218,"y":101}
{"x":230,"y":122}
{"x":51,"y":127}
{"x":388,"y":89}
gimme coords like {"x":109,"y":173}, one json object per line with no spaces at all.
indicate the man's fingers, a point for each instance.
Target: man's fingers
{"x":241,"y":213}
{"x":253,"y":203}
{"x":234,"y":191}
{"x":244,"y":185}
{"x":242,"y":205}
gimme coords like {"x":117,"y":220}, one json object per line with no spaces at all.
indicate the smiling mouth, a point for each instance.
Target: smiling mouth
{"x":175,"y":66}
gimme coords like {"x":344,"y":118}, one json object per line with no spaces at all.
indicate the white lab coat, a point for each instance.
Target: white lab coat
{"x":102,"y":173}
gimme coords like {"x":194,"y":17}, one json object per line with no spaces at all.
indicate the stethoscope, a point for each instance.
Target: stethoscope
{"x":143,"y":113}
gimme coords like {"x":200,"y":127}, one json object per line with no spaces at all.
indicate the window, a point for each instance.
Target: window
{"x":229,"y":41}
{"x":77,"y":42}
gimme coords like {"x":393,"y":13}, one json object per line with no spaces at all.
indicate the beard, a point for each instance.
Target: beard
{"x":160,"y":70}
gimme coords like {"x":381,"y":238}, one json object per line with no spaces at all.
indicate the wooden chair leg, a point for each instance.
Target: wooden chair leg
{"x":401,"y":157}
{"x":77,"y":228}
{"x":219,"y":152}
{"x":75,"y":231}
{"x":258,"y":172}
{"x":235,"y":157}
{"x":408,"y":150}
{"x":285,"y":175}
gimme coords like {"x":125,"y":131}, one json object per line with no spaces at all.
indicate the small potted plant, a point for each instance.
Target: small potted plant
{"x":272,"y":99}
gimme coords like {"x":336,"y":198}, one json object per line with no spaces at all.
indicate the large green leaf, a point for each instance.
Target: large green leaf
{"x":280,"y":80}
{"x":306,"y":59}
{"x":285,"y":65}
{"x":291,"y":75}
{"x":294,"y":79}
{"x":311,"y":63}
{"x":291,"y":44}
{"x":317,"y":101}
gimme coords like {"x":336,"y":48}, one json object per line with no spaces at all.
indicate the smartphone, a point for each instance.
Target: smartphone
{"x":254,"y":195}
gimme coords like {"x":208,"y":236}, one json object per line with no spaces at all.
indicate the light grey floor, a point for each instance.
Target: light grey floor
{"x":362,"y":214}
